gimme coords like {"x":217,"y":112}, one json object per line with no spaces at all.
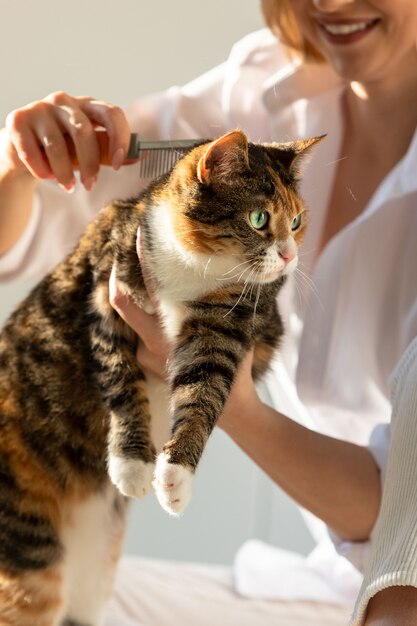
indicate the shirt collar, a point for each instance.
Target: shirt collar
{"x":296,"y":81}
{"x":401,"y":180}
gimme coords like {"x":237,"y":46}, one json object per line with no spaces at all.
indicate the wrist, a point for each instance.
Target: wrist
{"x":17,"y":187}
{"x":11,"y":177}
{"x":11,"y":167}
{"x":240,"y":411}
{"x":14,"y":182}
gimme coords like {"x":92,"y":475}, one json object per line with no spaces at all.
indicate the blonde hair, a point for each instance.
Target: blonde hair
{"x":281,"y":20}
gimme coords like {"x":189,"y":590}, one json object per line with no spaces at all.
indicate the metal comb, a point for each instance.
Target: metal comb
{"x":155,"y":157}
{"x":158,"y":157}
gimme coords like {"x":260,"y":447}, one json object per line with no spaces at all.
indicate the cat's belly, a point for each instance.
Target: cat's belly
{"x":158,"y":400}
{"x":92,"y":534}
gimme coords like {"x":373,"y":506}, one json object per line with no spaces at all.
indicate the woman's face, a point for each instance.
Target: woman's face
{"x":364,"y":40}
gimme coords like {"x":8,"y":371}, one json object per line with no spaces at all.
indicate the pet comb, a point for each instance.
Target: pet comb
{"x":158,"y":157}
{"x":155,"y":157}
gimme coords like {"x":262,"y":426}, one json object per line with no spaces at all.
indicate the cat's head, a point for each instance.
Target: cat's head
{"x":237,"y":208}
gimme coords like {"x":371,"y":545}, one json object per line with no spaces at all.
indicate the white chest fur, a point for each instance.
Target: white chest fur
{"x":183,"y":275}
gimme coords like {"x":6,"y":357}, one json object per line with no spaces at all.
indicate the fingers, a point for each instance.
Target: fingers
{"x":114,"y":121}
{"x":125,"y":307}
{"x":81,"y":146}
{"x":27,"y":143}
{"x":54,"y":136}
{"x":27,"y":149}
{"x":151,"y":362}
{"x":148,"y":327}
{"x":54,"y":151}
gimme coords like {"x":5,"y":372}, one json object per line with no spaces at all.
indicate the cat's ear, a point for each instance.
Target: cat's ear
{"x":293,"y":154}
{"x":224,"y":157}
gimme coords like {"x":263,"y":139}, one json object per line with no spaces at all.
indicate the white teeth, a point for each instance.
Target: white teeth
{"x":345,"y":29}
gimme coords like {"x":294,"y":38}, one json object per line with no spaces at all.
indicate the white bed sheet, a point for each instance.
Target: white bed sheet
{"x":152,"y":592}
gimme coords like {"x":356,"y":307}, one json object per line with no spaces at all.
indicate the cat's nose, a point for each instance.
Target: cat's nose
{"x":287,"y":257}
{"x":287,"y":252}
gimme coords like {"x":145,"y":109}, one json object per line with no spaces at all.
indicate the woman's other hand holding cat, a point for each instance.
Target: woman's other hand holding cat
{"x":153,"y":349}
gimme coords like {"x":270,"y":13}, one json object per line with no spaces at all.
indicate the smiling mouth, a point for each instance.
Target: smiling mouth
{"x":348,"y":31}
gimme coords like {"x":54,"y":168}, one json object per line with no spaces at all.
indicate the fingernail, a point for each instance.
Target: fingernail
{"x":118,"y":158}
{"x":89,"y":182}
{"x":69,"y":187}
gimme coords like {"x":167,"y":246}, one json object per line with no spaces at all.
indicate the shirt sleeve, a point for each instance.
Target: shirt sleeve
{"x":57,"y":221}
{"x":393,"y":548}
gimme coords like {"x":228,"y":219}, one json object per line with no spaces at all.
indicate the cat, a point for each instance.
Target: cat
{"x":219,"y":235}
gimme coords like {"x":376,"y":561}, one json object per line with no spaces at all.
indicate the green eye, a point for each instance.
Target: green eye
{"x":296,"y":222}
{"x":259,"y":219}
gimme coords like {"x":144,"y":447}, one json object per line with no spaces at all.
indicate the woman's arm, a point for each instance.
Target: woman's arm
{"x":395,"y":606}
{"x":336,"y":480}
{"x":17,"y":187}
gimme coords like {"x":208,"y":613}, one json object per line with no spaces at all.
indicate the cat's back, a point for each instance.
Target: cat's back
{"x":50,"y":406}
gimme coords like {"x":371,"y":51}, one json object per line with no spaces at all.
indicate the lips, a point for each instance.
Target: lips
{"x":343,"y":31}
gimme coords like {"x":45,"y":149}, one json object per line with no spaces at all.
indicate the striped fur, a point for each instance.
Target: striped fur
{"x":73,"y":399}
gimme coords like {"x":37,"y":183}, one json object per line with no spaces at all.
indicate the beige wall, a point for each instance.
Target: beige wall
{"x":113,"y":49}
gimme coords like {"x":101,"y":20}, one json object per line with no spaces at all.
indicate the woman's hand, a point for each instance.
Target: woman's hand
{"x":47,"y":136}
{"x":51,"y":138}
{"x":153,"y":349}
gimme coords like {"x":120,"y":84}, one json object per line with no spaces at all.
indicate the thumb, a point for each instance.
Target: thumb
{"x":145,"y":325}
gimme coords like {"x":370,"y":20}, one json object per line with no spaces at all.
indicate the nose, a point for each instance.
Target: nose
{"x":287,"y":257}
{"x":287,"y":252}
{"x":329,"y":6}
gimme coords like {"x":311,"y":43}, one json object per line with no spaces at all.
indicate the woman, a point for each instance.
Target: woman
{"x":351,"y":73}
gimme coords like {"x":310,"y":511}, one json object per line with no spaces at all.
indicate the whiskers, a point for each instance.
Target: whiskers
{"x":206,"y":267}
{"x":304,"y":285}
{"x":229,"y":276}
{"x":248,"y":286}
{"x":249,"y":272}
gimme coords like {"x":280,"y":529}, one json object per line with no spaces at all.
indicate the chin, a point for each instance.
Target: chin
{"x":351,"y":68}
{"x":271,"y":277}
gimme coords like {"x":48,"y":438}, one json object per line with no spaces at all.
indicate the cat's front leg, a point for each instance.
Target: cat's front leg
{"x":173,"y":484}
{"x":203,"y":369}
{"x":131,"y":453}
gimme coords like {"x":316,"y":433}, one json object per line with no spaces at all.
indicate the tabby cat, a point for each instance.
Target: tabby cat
{"x":219,"y":235}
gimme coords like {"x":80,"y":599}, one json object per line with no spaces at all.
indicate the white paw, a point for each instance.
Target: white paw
{"x":172,"y":485}
{"x":132,"y":477}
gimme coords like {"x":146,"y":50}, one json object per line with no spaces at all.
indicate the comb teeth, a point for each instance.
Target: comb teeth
{"x":158,"y":161}
{"x":158,"y":157}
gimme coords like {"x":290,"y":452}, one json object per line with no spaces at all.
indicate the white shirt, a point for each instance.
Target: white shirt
{"x":347,"y":332}
{"x":394,"y":539}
